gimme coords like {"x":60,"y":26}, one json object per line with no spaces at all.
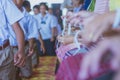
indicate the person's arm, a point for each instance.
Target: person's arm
{"x":19,"y":35}
{"x":20,"y":39}
{"x":66,"y":39}
{"x":53,"y":34}
{"x":31,"y":46}
{"x":13,"y":15}
{"x":53,"y":28}
{"x":33,"y":32}
{"x":42,"y":43}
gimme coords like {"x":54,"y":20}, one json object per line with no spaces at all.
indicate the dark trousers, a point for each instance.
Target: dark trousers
{"x":39,"y":48}
{"x":50,"y":47}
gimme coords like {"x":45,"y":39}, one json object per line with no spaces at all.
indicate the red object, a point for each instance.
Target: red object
{"x":70,"y":67}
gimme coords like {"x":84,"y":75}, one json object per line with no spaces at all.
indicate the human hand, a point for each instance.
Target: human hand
{"x":19,"y":59}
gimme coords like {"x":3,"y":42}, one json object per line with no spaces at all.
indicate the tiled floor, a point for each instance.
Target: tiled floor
{"x":45,"y":70}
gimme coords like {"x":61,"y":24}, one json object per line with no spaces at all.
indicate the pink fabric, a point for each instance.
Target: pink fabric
{"x":63,"y":49}
{"x":70,"y":67}
{"x":101,"y":6}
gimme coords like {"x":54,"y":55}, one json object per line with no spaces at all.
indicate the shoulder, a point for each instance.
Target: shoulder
{"x":4,"y":3}
{"x":50,"y":16}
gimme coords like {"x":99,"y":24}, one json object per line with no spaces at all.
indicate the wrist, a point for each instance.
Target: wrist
{"x":42,"y":44}
{"x":21,"y":50}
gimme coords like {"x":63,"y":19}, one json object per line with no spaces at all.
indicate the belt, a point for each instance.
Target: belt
{"x":6,"y":44}
{"x":14,"y":47}
{"x":26,"y":42}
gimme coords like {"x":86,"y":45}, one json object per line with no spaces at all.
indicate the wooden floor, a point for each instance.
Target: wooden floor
{"x":45,"y":70}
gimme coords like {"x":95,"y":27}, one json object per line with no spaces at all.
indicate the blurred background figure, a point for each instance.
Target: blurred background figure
{"x":36,"y":9}
{"x":27,"y":6}
{"x":67,"y":4}
{"x":47,"y":28}
{"x":58,"y":28}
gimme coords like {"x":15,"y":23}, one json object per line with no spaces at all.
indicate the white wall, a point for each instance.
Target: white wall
{"x":34,"y":2}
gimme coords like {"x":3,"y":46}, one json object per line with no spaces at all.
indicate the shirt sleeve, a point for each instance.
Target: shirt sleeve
{"x":54,"y":22}
{"x":32,"y":28}
{"x":12,"y":13}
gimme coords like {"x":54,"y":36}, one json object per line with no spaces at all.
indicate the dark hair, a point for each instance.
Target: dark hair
{"x":26,"y":3}
{"x":82,"y":1}
{"x":36,"y":6}
{"x":44,"y":4}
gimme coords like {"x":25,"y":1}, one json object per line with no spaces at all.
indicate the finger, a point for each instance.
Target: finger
{"x":115,"y":64}
{"x":94,"y":66}
{"x":77,"y":23}
{"x":83,"y":73}
{"x":69,"y":15}
{"x":15,"y":58}
{"x":84,"y":14}
{"x":18,"y":61}
{"x":22,"y":63}
{"x":97,"y":55}
{"x":99,"y":33}
{"x":30,"y":53}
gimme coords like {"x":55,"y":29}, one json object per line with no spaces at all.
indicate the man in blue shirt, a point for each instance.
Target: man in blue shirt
{"x":47,"y":28}
{"x":29,"y":26}
{"x":9,"y":14}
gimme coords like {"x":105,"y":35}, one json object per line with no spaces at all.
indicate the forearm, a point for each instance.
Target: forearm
{"x":31,"y":42}
{"x":41,"y":41}
{"x":19,"y":35}
{"x":53,"y":32}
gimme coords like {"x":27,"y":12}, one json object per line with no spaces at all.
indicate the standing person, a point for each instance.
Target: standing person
{"x":50,"y":11}
{"x":9,"y":14}
{"x":30,"y":30}
{"x":35,"y":56}
{"x":67,"y":4}
{"x":36,"y":10}
{"x":47,"y":29}
{"x":26,"y":5}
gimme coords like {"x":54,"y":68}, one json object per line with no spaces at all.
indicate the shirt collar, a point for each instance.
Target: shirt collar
{"x":46,"y":16}
{"x":24,"y":10}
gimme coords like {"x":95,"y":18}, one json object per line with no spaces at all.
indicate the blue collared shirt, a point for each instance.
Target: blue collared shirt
{"x":29,"y":26}
{"x":46,"y":23}
{"x":9,"y":14}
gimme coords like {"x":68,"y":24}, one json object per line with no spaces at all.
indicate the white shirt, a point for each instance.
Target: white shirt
{"x":67,"y":3}
{"x":9,"y":14}
{"x":57,"y":24}
{"x":29,"y":25}
{"x":46,"y":24}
